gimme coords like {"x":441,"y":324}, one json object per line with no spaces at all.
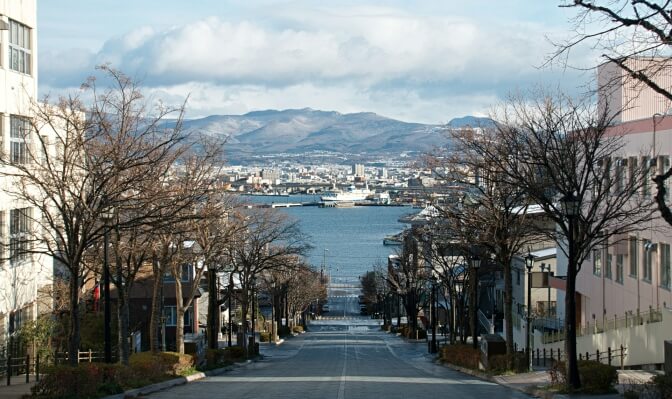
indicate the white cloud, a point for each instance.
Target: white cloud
{"x":378,"y":59}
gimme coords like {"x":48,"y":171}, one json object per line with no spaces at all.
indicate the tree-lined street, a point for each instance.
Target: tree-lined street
{"x":343,"y":356}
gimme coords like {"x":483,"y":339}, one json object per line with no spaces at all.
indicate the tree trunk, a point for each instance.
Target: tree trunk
{"x":123,"y":314}
{"x":573,"y":379}
{"x":74,"y":333}
{"x":179,"y":331}
{"x":508,"y":312}
{"x":155,"y":319}
{"x":179,"y":311}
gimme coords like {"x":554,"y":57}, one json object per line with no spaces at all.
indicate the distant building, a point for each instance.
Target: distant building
{"x":358,"y":169}
{"x":382,"y":173}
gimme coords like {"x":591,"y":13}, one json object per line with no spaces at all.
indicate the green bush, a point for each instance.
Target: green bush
{"x":297,"y":329}
{"x":284,"y":331}
{"x":461,"y":355}
{"x":88,"y":380}
{"x":499,"y":363}
{"x":663,"y":385}
{"x":265,"y":336}
{"x":171,"y":363}
{"x":596,"y":377}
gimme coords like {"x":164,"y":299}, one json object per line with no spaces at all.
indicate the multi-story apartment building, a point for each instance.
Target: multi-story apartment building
{"x":25,"y":279}
{"x":624,"y":290}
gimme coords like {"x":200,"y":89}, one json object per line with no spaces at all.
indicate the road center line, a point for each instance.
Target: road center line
{"x":341,"y":387}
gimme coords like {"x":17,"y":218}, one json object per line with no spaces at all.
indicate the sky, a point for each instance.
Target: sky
{"x":417,"y":61}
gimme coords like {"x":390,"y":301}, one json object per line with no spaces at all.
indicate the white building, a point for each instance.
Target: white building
{"x":25,"y":280}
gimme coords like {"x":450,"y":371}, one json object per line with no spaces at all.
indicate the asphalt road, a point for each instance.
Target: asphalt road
{"x":343,"y":356}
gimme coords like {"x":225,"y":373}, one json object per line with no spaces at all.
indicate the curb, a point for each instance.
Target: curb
{"x":530,"y":390}
{"x":160,"y":386}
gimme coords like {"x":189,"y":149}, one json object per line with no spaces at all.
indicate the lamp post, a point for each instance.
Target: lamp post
{"x":229,"y":330}
{"x":398,"y":308}
{"x":571,"y":209}
{"x":213,"y":325}
{"x":107,"y":215}
{"x":253,"y":316}
{"x":475,"y":264}
{"x":432,"y":310}
{"x":273,"y":323}
{"x":529,"y":262}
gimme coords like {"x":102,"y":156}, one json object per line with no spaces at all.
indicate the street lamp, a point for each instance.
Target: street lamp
{"x":475,"y":264}
{"x":432,"y":312}
{"x":107,"y":215}
{"x":273,"y":323}
{"x":571,"y":208}
{"x":213,"y":307}
{"x":529,"y":262}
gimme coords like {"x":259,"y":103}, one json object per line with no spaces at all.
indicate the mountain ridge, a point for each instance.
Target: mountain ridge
{"x":305,"y":130}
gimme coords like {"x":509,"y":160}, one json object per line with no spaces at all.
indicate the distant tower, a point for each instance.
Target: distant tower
{"x":358,"y":170}
{"x":382,"y":173}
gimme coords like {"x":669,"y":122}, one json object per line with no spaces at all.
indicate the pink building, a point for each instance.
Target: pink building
{"x":632,"y":274}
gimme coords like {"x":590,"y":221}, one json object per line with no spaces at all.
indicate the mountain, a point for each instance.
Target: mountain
{"x":471,"y":121}
{"x":305,"y":130}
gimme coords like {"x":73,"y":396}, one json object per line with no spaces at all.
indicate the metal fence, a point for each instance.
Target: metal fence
{"x":548,"y":357}
{"x":630,"y":319}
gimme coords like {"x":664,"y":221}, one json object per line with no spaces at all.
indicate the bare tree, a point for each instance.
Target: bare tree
{"x":559,"y":151}
{"x":489,"y":211}
{"x":76,"y":163}
{"x":408,"y":276}
{"x":636,"y":36}
{"x":266,"y":240}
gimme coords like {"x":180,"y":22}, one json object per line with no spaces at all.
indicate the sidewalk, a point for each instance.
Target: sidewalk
{"x":532,"y":383}
{"x":18,"y":387}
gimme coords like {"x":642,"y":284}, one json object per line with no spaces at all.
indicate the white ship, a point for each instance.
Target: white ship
{"x":351,"y":194}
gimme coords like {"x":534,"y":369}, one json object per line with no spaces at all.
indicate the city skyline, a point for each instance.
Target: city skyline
{"x":427,"y":62}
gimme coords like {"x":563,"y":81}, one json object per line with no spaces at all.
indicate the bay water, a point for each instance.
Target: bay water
{"x":347,"y":242}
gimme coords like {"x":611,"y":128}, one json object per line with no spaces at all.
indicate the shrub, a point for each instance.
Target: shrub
{"x":499,"y":363}
{"x":297,"y":329}
{"x":596,"y":377}
{"x":663,"y":385}
{"x":284,"y":331}
{"x":90,"y":380}
{"x":265,"y":336}
{"x":461,"y":355}
{"x":171,"y":363}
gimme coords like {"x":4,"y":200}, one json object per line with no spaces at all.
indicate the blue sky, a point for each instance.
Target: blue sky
{"x":420,"y":61}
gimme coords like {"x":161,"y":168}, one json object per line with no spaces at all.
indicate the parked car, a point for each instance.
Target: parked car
{"x":325,"y":308}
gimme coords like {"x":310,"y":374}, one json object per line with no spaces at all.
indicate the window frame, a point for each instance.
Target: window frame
{"x":19,"y":48}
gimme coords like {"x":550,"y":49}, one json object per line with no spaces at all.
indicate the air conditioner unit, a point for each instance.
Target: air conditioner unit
{"x":650,"y":246}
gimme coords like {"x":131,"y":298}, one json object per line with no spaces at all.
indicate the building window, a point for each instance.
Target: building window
{"x":19,"y":229}
{"x":19,"y":139}
{"x":517,"y":276}
{"x":185,"y":277}
{"x":665,"y":265}
{"x":619,"y":268}
{"x":621,"y":164}
{"x":597,"y":263}
{"x":170,"y":313}
{"x":607,"y":267}
{"x":648,"y":260}
{"x":646,"y":176}
{"x":19,"y":47}
{"x":632,"y":255}
{"x":665,"y":166}
{"x":632,"y":174}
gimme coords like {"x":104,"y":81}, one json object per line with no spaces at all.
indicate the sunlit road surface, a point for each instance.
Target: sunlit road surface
{"x":344,"y":355}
